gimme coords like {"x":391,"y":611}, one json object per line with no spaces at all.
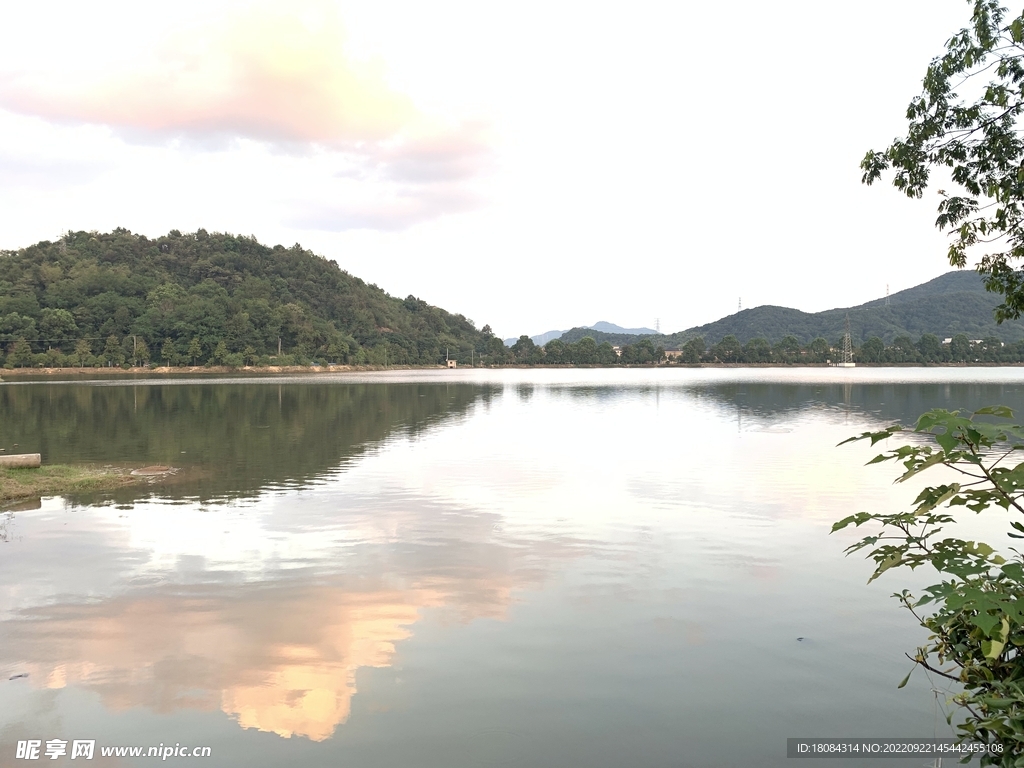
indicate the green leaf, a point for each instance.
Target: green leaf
{"x":992,"y":648}
{"x":947,"y":441}
{"x":1001,"y":411}
{"x":905,"y":680}
{"x":890,"y":562}
{"x":928,"y":501}
{"x":931,"y":461}
{"x":1017,"y":30}
{"x":858,"y":519}
{"x":986,"y":622}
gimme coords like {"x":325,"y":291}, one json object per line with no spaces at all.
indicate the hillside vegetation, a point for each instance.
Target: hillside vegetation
{"x":951,"y":304}
{"x":121,"y":298}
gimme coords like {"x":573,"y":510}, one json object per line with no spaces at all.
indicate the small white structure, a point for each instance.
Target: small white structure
{"x":452,"y":363}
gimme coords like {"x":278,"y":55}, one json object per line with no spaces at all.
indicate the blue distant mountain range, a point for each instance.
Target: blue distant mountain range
{"x":603,"y":326}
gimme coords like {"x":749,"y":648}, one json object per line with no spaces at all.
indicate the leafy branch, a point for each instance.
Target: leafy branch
{"x":976,"y":622}
{"x":978,"y":139}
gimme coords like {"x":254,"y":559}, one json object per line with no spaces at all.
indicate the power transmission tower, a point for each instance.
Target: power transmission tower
{"x":887,"y":294}
{"x":847,"y":361}
{"x":739,"y":305}
{"x":657,"y":324}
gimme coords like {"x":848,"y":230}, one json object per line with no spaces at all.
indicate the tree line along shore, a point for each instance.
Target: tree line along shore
{"x":927,"y":350}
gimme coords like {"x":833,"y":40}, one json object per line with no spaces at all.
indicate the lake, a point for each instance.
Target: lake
{"x":467,"y":568}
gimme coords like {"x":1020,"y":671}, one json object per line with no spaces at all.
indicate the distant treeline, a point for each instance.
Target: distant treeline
{"x":927,"y":349}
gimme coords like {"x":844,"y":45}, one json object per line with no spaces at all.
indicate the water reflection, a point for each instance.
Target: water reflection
{"x":280,"y":658}
{"x":768,"y":401}
{"x":229,"y":439}
{"x":887,"y":403}
{"x":392,"y":575}
{"x":274,"y":646}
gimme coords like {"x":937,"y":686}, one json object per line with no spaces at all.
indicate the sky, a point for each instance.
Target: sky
{"x":533,"y":166}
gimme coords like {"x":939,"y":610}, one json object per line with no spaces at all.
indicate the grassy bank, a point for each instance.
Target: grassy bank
{"x":60,"y":480}
{"x":220,"y":370}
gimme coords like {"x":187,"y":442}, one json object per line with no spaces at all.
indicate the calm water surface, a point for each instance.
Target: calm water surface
{"x":470,"y":568}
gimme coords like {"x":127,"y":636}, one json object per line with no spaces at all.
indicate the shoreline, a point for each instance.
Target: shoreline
{"x":63,"y":480}
{"x":221,"y":370}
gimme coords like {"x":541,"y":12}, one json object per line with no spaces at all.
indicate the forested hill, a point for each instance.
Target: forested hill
{"x":953,"y":303}
{"x":204,"y":297}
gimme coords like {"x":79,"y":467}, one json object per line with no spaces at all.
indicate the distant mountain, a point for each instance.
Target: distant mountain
{"x":606,"y":327}
{"x":540,"y":339}
{"x":602,"y":327}
{"x":575,"y":334}
{"x":953,"y":303}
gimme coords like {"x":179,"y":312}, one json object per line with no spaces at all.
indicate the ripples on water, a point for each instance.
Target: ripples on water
{"x":536,"y":568}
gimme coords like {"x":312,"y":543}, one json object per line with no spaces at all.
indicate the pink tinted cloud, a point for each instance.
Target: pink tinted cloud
{"x":277,"y":78}
{"x":264,"y":76}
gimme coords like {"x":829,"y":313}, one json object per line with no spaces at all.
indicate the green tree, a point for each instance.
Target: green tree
{"x":168,"y":352}
{"x":554,"y":352}
{"x":496,"y":350}
{"x":693,"y":350}
{"x":112,"y":351}
{"x":584,"y":351}
{"x":903,"y":350}
{"x":642,"y":352}
{"x":54,"y":358}
{"x":58,"y":325}
{"x":14,"y":326}
{"x":991,"y":349}
{"x":819,"y":351}
{"x":195,"y":350}
{"x":757,"y":351}
{"x":83,"y":351}
{"x":1015,"y":352}
{"x":960,"y":349}
{"x":524,"y":349}
{"x":976,"y":140}
{"x":220,"y":354}
{"x":976,"y":615}
{"x":728,"y":350}
{"x":787,"y":350}
{"x":871,"y":351}
{"x":141,"y":351}
{"x":606,"y":354}
{"x":20,"y":353}
{"x":338,"y":349}
{"x":930,"y":348}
